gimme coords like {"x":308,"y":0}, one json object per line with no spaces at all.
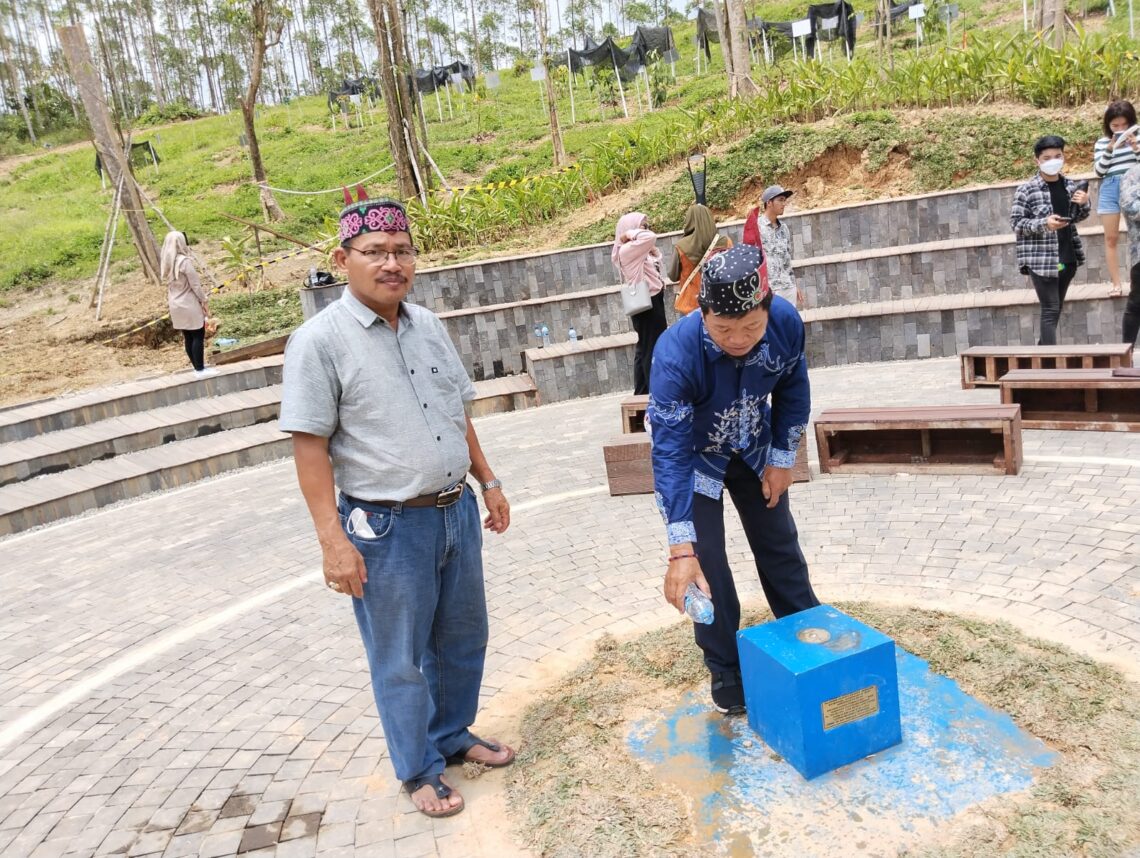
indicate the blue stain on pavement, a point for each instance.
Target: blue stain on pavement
{"x":955,"y":753}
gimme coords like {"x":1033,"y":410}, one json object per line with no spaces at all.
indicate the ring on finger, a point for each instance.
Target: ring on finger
{"x":334,"y":586}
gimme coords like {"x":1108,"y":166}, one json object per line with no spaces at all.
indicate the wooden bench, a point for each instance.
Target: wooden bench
{"x":985,"y":365}
{"x":952,"y":439}
{"x":629,"y":468}
{"x":1097,"y":399}
{"x":633,"y":414}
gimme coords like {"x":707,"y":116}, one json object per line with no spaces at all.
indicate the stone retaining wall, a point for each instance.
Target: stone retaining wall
{"x":888,"y":223}
{"x":606,"y":367}
{"x":941,"y":333}
{"x":949,"y":267}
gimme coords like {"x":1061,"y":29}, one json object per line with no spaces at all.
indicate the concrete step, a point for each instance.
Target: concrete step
{"x":903,"y":329}
{"x":592,"y":367}
{"x":492,"y":337}
{"x":90,"y":406}
{"x":86,"y":467}
{"x":49,"y":498}
{"x":59,"y":451}
{"x":943,"y":325}
{"x":509,"y":393}
{"x":977,"y":264}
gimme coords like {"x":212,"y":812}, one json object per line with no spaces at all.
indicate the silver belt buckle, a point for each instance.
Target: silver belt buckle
{"x":449,"y":496}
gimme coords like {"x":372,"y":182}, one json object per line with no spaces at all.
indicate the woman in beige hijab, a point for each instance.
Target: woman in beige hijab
{"x":186,"y":298}
{"x":699,"y":230}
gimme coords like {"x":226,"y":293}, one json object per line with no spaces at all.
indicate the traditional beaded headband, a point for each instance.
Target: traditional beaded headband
{"x":365,"y":215}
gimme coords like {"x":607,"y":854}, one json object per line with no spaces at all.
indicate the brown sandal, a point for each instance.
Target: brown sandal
{"x":460,"y":757}
{"x":442,"y":790}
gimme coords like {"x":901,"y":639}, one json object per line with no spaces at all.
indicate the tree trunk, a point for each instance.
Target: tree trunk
{"x":262,"y":39}
{"x":409,"y":66}
{"x":207,"y":60}
{"x":477,"y":61}
{"x":402,"y":154}
{"x":109,"y":146}
{"x":155,"y":66}
{"x":540,"y":22}
{"x":741,"y":55}
{"x":1054,"y":18}
{"x":14,"y":84}
{"x":405,"y":83}
{"x":725,"y":45}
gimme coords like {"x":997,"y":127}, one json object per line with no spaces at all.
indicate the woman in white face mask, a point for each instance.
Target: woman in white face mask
{"x":1045,"y":212}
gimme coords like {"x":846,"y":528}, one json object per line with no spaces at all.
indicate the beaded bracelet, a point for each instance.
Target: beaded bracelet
{"x":673,"y":557}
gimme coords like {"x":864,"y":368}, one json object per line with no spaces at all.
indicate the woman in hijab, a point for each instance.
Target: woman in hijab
{"x":699,"y":231}
{"x":186,"y":298}
{"x":637,"y":259}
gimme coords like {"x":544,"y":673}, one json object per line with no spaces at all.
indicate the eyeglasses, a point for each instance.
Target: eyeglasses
{"x":378,"y":256}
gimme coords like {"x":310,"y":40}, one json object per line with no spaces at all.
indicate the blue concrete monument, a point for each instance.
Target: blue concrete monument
{"x":821,"y":688}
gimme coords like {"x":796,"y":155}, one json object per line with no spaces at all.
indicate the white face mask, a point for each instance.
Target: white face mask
{"x":1052,"y":167}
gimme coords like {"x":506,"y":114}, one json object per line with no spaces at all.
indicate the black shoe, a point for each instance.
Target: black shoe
{"x":728,"y":692}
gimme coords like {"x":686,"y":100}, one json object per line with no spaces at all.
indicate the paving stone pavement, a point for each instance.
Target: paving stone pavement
{"x":176,"y":681}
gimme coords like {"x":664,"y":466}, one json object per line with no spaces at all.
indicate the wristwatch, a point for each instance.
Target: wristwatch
{"x":494,"y":484}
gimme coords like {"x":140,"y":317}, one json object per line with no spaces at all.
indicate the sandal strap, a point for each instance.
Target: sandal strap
{"x":442,"y":790}
{"x":475,"y":740}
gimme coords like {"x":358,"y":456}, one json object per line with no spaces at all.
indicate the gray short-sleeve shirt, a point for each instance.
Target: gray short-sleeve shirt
{"x":390,"y":402}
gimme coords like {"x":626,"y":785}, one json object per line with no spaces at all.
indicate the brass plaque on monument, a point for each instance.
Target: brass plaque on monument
{"x":850,"y":707}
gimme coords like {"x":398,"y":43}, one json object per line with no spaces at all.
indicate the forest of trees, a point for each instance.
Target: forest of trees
{"x":179,"y":57}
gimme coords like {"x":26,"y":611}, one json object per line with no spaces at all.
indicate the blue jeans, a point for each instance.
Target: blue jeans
{"x":423,"y":620}
{"x":1108,"y":197}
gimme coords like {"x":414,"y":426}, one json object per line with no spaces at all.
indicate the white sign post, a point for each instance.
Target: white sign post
{"x":801,"y":30}
{"x":949,"y":14}
{"x":621,"y":89}
{"x":538,"y":75}
{"x":830,"y":25}
{"x":917,"y":13}
{"x":570,"y":78}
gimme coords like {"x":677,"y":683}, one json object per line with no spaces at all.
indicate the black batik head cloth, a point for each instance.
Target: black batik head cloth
{"x":734,"y":282}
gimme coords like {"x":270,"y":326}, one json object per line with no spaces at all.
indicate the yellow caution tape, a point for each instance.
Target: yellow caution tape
{"x":509,"y":183}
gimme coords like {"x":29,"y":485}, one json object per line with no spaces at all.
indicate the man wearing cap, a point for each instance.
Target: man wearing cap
{"x":766,"y":230}
{"x":714,"y":429}
{"x":375,"y":395}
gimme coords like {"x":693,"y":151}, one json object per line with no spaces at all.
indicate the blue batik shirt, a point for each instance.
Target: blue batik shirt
{"x":706,"y":406}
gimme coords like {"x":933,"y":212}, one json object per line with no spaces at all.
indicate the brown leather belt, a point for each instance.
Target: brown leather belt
{"x":443,"y":499}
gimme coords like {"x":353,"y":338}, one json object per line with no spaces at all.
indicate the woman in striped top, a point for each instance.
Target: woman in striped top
{"x":1113,"y":156}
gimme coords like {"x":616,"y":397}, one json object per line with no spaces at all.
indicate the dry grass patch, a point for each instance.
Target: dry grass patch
{"x":578,"y":791}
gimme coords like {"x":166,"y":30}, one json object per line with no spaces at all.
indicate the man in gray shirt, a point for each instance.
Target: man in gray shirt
{"x":375,"y":396}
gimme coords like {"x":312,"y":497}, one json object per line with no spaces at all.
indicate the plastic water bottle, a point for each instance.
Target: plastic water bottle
{"x":313,"y":277}
{"x":545,"y":335}
{"x":538,"y":334}
{"x":698,"y":606}
{"x":573,"y":336}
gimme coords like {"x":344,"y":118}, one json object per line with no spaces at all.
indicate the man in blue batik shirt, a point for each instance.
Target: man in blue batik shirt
{"x":713,"y":429}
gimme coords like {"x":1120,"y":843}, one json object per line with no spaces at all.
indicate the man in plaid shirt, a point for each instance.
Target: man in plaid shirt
{"x":1045,"y":212}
